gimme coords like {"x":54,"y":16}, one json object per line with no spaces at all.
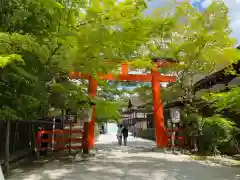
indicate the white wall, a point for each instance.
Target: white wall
{"x":111,"y":128}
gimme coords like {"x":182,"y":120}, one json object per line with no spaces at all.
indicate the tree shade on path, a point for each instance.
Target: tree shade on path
{"x":135,"y":161}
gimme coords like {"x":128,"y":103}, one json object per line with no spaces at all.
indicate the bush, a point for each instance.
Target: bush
{"x":218,"y":135}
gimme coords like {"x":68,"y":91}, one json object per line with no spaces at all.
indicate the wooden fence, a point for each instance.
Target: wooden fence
{"x":21,"y":136}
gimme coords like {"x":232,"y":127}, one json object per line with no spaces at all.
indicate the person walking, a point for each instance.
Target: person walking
{"x":119,"y":134}
{"x":103,"y":129}
{"x":125,"y":135}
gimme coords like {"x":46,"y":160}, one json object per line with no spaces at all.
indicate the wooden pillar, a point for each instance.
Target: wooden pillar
{"x":92,"y":92}
{"x":160,"y":131}
{"x":124,"y":69}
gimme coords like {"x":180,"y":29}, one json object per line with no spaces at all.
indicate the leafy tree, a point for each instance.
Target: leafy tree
{"x":199,"y":40}
{"x":219,"y":135}
{"x":225,"y":100}
{"x":201,"y":43}
{"x":43,"y":41}
{"x":30,"y":35}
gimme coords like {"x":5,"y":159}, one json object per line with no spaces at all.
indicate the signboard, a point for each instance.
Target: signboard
{"x":175,"y":115}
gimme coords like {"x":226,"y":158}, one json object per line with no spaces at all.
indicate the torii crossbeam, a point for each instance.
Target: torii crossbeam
{"x":155,"y":77}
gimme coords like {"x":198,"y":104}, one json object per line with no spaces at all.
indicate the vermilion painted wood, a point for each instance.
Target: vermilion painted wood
{"x":62,"y":140}
{"x":70,"y":147}
{"x":127,"y":77}
{"x":64,"y":148}
{"x":124,"y":69}
{"x":161,"y":133}
{"x":58,"y":131}
{"x":155,"y":77}
{"x":161,"y":63}
{"x":92,"y":92}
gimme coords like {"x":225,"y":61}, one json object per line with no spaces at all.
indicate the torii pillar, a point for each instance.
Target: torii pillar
{"x":92,"y":92}
{"x":160,"y":131}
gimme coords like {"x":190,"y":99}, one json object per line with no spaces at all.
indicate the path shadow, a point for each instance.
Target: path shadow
{"x":133,"y":162}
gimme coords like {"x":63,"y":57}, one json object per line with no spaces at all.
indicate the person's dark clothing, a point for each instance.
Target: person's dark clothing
{"x":102,"y":129}
{"x":125,"y":132}
{"x":125,"y":135}
{"x":125,"y":140}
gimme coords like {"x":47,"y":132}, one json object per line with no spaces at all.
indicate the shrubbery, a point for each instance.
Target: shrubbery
{"x":219,"y":135}
{"x":216,"y":134}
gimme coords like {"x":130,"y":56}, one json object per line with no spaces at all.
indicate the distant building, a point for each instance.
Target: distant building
{"x":136,"y":114}
{"x":218,"y":81}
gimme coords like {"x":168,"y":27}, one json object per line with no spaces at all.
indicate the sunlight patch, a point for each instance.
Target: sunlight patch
{"x":33,"y":177}
{"x":56,"y":174}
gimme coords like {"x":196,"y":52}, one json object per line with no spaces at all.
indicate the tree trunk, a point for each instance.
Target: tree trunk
{"x":7,"y":143}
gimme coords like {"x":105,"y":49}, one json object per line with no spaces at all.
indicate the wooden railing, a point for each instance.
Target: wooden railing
{"x":59,"y":140}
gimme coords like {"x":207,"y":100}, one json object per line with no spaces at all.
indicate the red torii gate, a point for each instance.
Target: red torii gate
{"x":155,"y":77}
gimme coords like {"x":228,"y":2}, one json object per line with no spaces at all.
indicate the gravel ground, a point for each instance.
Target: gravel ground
{"x":136,"y":161}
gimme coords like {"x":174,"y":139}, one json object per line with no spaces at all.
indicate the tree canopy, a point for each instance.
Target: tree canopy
{"x":200,"y":41}
{"x":43,"y":41}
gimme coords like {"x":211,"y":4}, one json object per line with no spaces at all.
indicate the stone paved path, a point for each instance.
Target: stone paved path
{"x":133,"y":162}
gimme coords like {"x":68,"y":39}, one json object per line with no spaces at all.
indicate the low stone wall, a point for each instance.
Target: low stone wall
{"x":147,"y":133}
{"x":150,"y":134}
